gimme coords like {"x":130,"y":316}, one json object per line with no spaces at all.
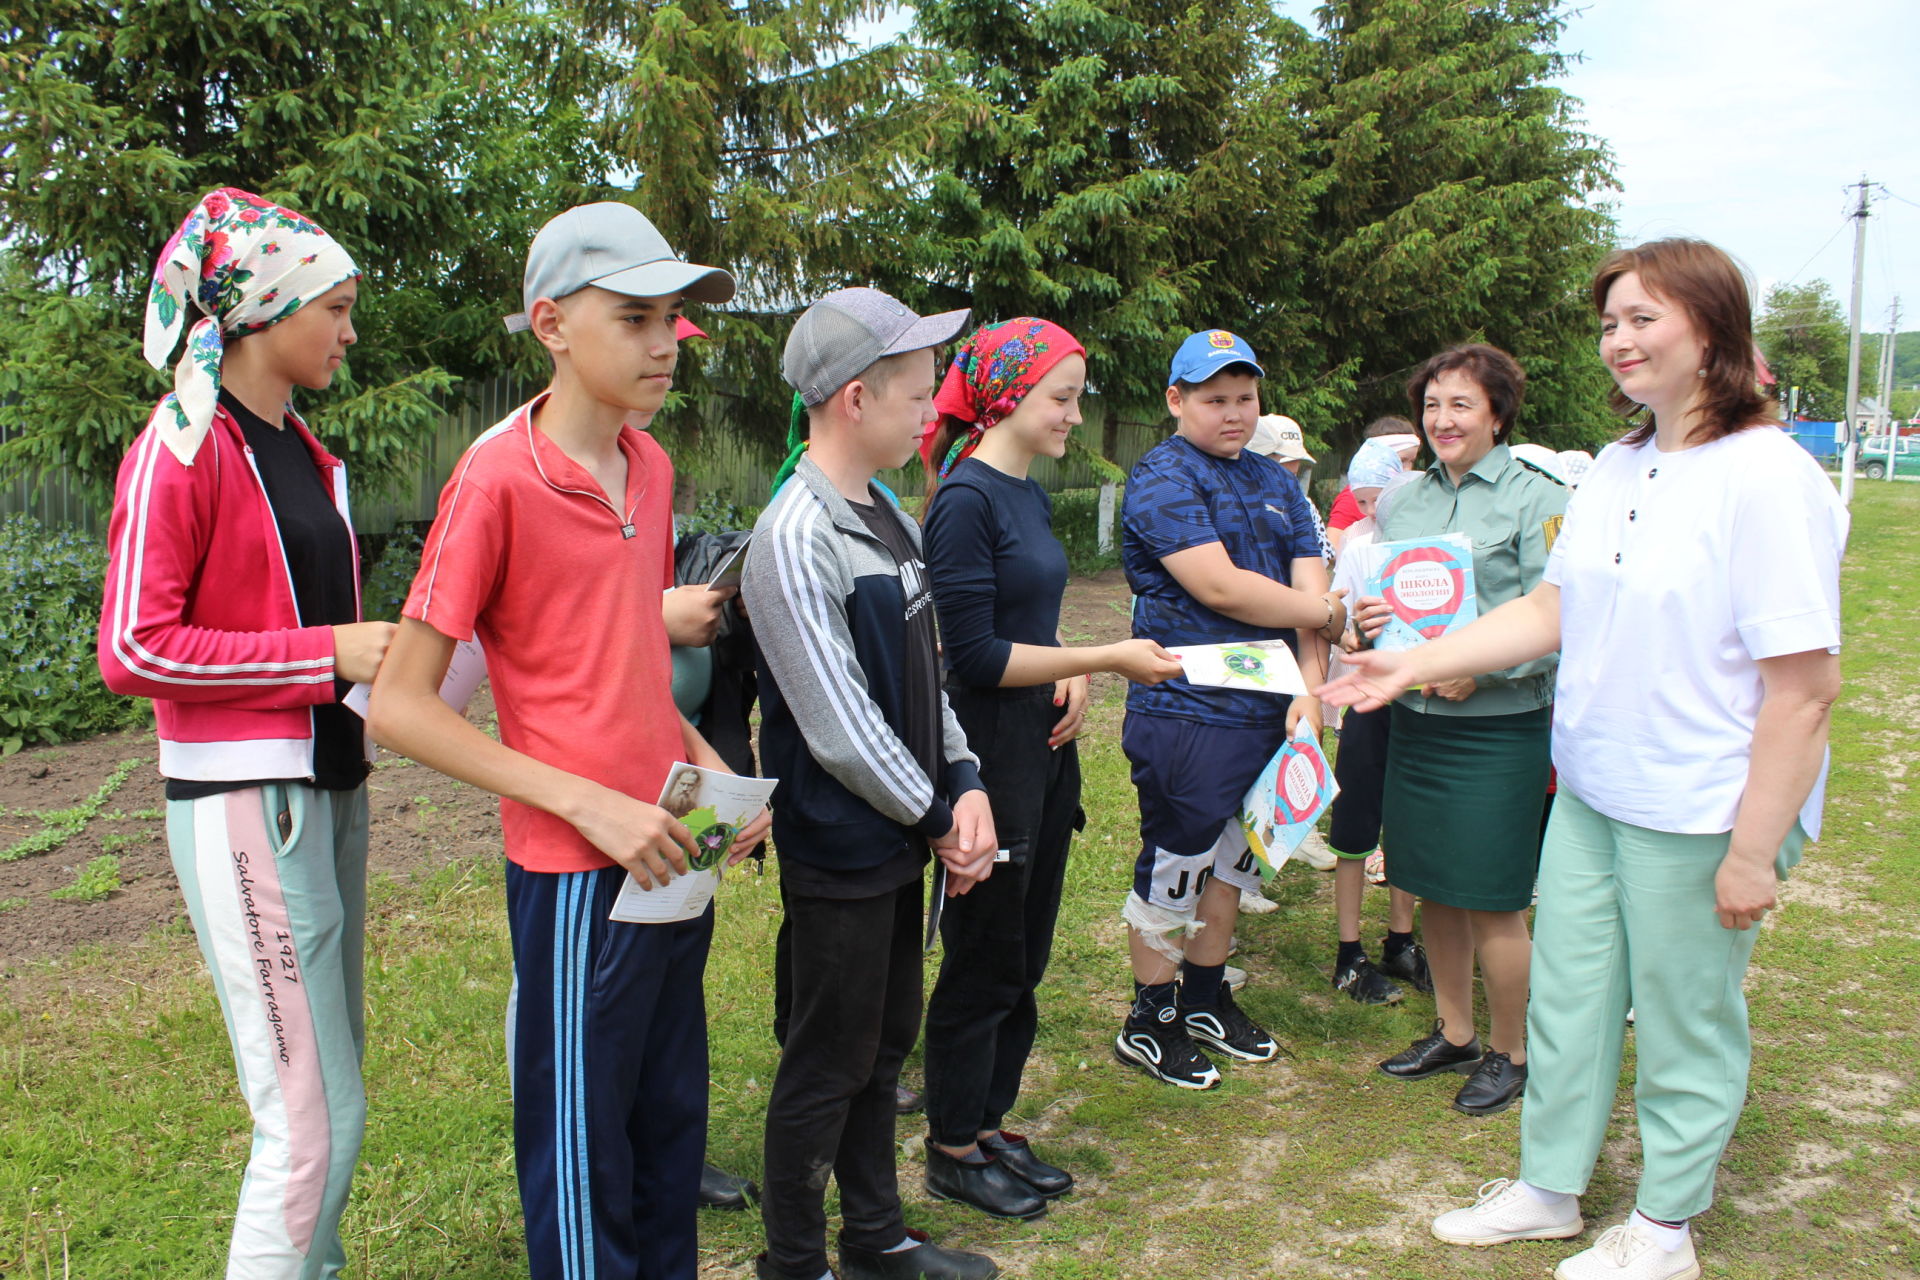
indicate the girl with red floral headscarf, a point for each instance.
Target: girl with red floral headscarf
{"x":232,"y":600}
{"x":998,"y":575}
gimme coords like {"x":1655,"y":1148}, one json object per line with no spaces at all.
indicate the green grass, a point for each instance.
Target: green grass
{"x":122,"y":1137}
{"x":93,"y":882}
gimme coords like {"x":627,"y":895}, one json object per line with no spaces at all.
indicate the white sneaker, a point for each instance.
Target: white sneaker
{"x":1507,"y":1211}
{"x":1234,"y":978}
{"x":1314,"y":852}
{"x":1256,"y":904}
{"x":1629,"y":1252}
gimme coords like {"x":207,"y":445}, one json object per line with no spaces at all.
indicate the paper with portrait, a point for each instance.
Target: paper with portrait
{"x":714,"y":807}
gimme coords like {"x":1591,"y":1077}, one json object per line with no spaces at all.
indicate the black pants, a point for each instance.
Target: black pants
{"x":982,"y":1016}
{"x":854,"y":1011}
{"x":1361,"y":771}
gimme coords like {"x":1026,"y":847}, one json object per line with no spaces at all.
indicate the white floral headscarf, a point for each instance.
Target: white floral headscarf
{"x":246,"y":264}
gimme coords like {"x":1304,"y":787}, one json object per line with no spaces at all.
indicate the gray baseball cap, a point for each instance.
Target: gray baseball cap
{"x":840,"y":335}
{"x":614,"y":246}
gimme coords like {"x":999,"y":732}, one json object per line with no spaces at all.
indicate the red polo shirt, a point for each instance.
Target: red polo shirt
{"x":563,"y":589}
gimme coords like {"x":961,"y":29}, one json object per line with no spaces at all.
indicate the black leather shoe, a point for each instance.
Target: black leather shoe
{"x":1410,"y":966}
{"x":721,"y":1190}
{"x":906,"y":1101}
{"x":1495,"y":1085}
{"x":989,"y":1186}
{"x":763,"y":1269}
{"x":925,"y":1261}
{"x":1013,"y":1151}
{"x":1431,"y":1055}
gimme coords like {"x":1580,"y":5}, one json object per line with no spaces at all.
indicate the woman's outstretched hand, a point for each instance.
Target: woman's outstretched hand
{"x":1377,"y":678}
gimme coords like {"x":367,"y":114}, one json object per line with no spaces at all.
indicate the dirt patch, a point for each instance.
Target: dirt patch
{"x":1902,"y":708}
{"x":1862,"y":1097}
{"x":1098,"y":610}
{"x":1807,"y":1177}
{"x":1831,"y":886}
{"x":420,"y":820}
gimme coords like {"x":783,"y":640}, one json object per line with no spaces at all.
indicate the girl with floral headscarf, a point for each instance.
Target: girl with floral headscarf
{"x":232,"y":601}
{"x":998,"y":575}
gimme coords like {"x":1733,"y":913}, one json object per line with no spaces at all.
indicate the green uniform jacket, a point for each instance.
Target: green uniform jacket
{"x":1512,"y":511}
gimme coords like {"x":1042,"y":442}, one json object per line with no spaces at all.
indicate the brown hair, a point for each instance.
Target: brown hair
{"x":1391,"y":425}
{"x":1498,"y":374}
{"x":1705,"y":283}
{"x":945,"y":432}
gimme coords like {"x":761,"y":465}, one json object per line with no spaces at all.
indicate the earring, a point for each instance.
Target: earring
{"x":1701,"y":374}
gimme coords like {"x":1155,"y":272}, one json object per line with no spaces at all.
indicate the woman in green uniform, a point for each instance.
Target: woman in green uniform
{"x":1467,"y":769}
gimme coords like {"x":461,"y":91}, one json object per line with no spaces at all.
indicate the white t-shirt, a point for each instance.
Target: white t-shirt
{"x":1677,"y":572}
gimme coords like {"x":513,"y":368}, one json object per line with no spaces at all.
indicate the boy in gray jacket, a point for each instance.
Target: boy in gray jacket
{"x":873,"y":770}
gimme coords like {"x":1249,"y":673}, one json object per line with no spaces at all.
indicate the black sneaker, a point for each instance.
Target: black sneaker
{"x":1410,"y":966}
{"x":1166,"y":1052}
{"x":1365,"y":983}
{"x":1223,"y":1028}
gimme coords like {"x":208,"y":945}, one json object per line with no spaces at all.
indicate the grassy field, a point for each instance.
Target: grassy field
{"x":121,"y":1136}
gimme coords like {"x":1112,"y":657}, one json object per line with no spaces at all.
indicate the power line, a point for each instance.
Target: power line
{"x":1822,"y":249}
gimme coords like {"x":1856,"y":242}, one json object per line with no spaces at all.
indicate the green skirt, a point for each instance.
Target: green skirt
{"x":1460,"y":820}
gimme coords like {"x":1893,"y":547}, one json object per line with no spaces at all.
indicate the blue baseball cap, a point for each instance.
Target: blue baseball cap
{"x":1208,"y":352}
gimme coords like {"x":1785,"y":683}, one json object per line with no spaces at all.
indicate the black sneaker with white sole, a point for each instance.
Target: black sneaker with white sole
{"x":1224,"y":1029}
{"x":1409,"y":964}
{"x":1366,"y":984}
{"x":1166,"y":1052}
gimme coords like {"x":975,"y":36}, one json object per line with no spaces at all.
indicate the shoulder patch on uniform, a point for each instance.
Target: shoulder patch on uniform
{"x":1551,"y":528}
{"x":1541,"y":471}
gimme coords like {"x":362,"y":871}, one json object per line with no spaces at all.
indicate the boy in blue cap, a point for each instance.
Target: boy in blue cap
{"x":1219,"y":545}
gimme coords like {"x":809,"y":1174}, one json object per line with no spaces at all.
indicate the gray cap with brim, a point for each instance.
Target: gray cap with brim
{"x":836,"y":338}
{"x":610,"y":246}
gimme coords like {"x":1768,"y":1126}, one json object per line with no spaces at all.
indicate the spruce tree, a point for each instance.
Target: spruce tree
{"x":398,"y":125}
{"x":1131,"y":170}
{"x":1456,"y":205}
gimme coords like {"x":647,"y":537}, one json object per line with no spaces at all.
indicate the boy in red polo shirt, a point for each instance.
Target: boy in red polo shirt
{"x":553,"y":543}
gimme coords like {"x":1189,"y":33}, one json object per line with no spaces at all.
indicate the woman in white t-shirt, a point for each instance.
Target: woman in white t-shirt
{"x":1694,"y":595}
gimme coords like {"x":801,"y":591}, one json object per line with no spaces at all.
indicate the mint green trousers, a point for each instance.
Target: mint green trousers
{"x":1626,"y":919}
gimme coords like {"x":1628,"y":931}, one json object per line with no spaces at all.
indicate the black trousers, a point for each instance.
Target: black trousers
{"x":1361,"y":771}
{"x":995,"y":940}
{"x":852,"y":1014}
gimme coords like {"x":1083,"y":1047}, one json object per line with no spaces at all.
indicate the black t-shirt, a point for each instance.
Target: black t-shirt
{"x":319,"y":551}
{"x":922,"y":733}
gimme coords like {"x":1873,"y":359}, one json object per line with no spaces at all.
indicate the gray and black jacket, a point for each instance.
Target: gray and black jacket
{"x":829,"y":615}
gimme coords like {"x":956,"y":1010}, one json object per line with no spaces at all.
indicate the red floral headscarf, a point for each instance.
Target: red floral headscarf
{"x":237,"y":265}
{"x":991,"y":375}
